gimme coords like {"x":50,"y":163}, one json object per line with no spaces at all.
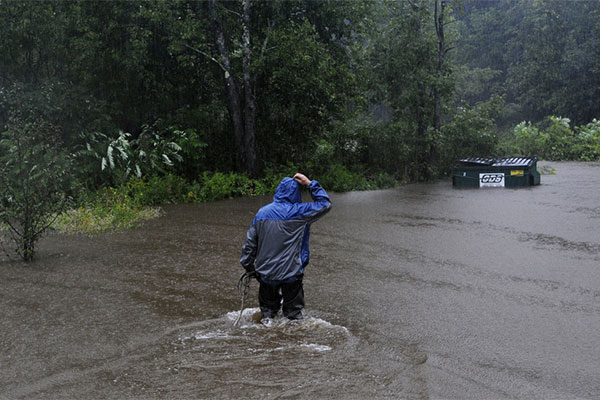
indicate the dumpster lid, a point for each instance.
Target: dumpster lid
{"x":476,"y":161}
{"x":498,"y":162}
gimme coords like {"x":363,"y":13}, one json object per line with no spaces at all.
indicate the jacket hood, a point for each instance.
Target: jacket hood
{"x":288,"y":190}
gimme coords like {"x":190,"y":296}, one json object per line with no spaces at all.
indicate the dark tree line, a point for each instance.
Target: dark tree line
{"x":396,"y":87}
{"x":543,"y":56}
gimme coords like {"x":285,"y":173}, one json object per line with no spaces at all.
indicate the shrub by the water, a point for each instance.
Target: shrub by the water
{"x":554,"y":139}
{"x":137,"y":200}
{"x":156,"y":190}
{"x":219,"y":186}
{"x":34,"y":181}
{"x":339,"y":179}
{"x":106,"y":210}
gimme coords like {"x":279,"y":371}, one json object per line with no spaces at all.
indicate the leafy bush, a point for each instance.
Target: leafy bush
{"x":339,"y":179}
{"x":112,"y":160}
{"x":383,"y":181}
{"x":553,"y":139}
{"x":273,"y":175}
{"x":108,"y":209}
{"x":156,"y":190}
{"x":125,"y":206}
{"x":219,"y":186}
{"x":470,"y":133}
{"x":192,"y":152}
{"x":587,"y":143}
{"x":157,"y":150}
{"x":34,"y":181}
{"x":387,"y":148}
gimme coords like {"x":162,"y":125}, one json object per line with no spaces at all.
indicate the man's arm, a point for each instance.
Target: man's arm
{"x":321,"y":203}
{"x":249,"y":249}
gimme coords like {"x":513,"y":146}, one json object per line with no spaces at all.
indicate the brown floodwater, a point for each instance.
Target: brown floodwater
{"x":424,"y":291}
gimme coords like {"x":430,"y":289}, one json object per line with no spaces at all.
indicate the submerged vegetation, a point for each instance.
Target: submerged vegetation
{"x":106,"y":210}
{"x":139,"y":199}
{"x":158,"y":102}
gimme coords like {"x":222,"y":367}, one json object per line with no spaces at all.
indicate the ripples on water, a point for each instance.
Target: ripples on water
{"x":419,"y":292}
{"x":310,"y":334}
{"x":215,"y":359}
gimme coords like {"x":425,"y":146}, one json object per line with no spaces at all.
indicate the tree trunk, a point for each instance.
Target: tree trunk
{"x":242,"y":116}
{"x":439,"y":29}
{"x":250,"y":101}
{"x":424,"y":144}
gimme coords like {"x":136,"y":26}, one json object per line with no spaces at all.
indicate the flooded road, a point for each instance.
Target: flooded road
{"x":423,"y":292}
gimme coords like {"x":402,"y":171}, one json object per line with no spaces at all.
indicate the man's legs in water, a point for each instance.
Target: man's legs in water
{"x":269,"y":299}
{"x":293,"y":299}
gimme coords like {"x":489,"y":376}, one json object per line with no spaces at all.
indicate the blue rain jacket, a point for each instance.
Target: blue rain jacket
{"x":276,"y":244}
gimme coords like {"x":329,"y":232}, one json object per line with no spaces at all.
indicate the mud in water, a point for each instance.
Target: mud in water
{"x":424,"y":291}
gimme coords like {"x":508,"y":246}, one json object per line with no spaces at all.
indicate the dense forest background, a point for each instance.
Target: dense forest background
{"x":351,"y":92}
{"x":110,"y":108}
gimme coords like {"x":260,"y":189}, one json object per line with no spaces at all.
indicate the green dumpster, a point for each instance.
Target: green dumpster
{"x":496,"y":172}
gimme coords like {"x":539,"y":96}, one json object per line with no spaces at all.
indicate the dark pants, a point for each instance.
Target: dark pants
{"x":269,"y":298}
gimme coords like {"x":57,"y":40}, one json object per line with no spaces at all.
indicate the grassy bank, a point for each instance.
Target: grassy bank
{"x":137,"y":200}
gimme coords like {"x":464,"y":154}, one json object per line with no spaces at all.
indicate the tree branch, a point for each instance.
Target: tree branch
{"x":452,"y":21}
{"x":264,"y":45}
{"x":7,"y":222}
{"x":231,"y":11}
{"x":414,"y":5}
{"x":39,"y":230}
{"x":207,"y":56}
{"x":436,"y":20}
{"x":4,"y":248}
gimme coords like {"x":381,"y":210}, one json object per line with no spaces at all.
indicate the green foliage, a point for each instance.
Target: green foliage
{"x":342,"y":144}
{"x":300,"y":96}
{"x":388,"y":148}
{"x":60,"y":104}
{"x":156,"y":107}
{"x":108,"y":209}
{"x":104,"y":159}
{"x":553,"y":139}
{"x":130,"y":204}
{"x":542,"y":56}
{"x":113,"y":160}
{"x":32,"y":35}
{"x":557,"y":140}
{"x":274,"y":174}
{"x":170,"y":189}
{"x":339,"y":179}
{"x":34,"y":181}
{"x":156,"y":190}
{"x":383,"y":180}
{"x":219,"y":186}
{"x":193,"y":153}
{"x":157,"y":152}
{"x":587,"y":142}
{"x":413,"y":77}
{"x":470,"y":133}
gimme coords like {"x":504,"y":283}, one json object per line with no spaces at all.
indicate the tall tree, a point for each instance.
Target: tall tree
{"x":407,"y":56}
{"x":440,"y":21}
{"x":241,"y":107}
{"x":286,"y":69}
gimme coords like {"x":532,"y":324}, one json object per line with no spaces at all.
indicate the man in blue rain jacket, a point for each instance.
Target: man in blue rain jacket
{"x":276,"y":246}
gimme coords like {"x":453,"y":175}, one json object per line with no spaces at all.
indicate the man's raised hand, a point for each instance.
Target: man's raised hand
{"x":301,"y":179}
